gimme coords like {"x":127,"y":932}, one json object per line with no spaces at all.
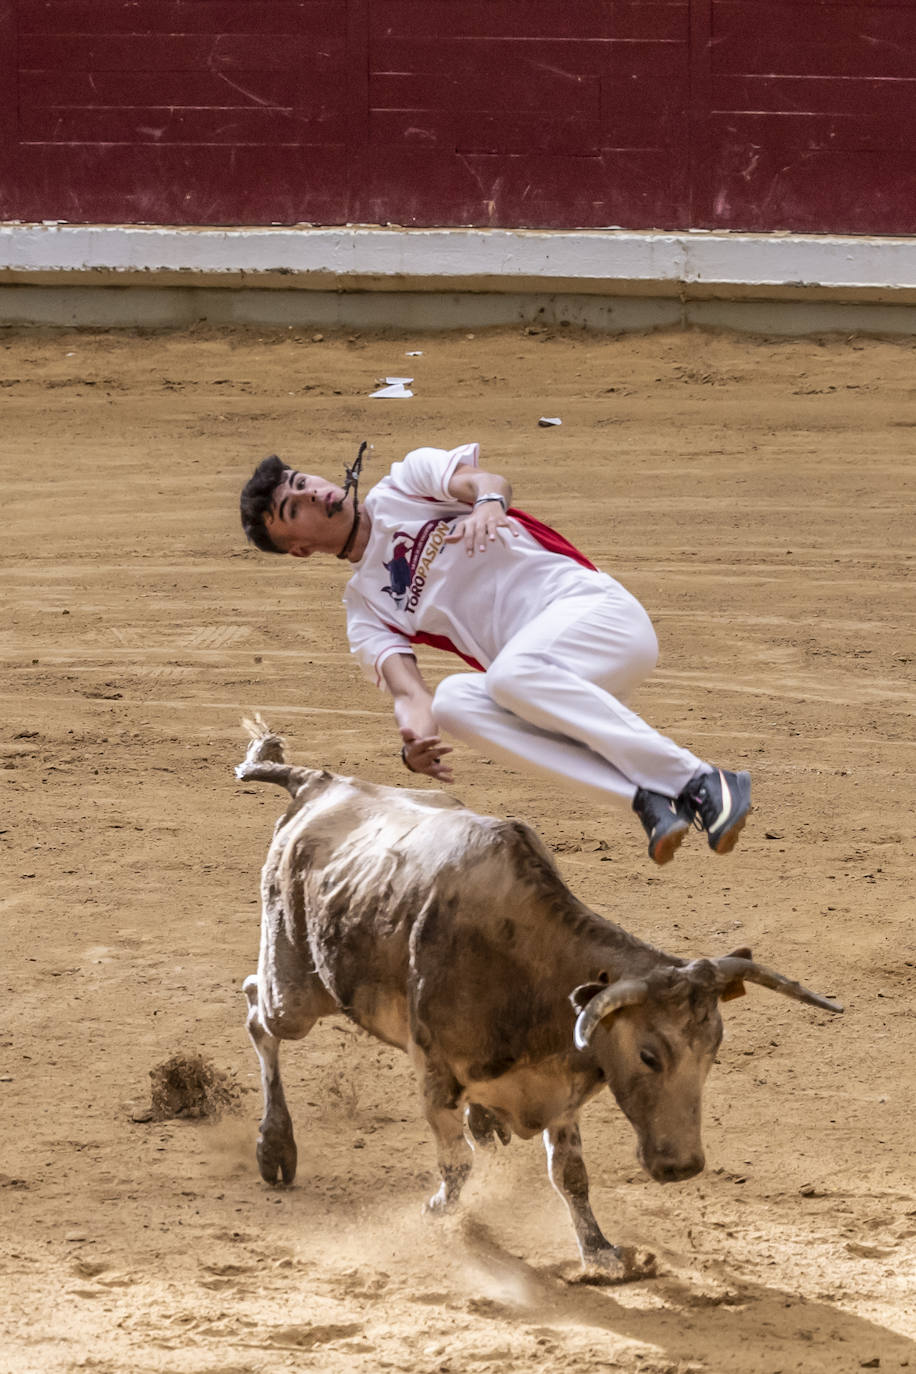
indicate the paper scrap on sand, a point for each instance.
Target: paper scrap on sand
{"x":395,"y":389}
{"x":546,"y":420}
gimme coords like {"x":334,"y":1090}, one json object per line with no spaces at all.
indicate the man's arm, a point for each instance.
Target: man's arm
{"x":423,"y":749}
{"x":480,"y":527}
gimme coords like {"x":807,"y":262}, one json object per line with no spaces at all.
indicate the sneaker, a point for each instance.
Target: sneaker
{"x":665,"y":821}
{"x":720,"y":801}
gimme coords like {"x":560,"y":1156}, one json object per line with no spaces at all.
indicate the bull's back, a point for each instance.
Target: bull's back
{"x":352,"y":865}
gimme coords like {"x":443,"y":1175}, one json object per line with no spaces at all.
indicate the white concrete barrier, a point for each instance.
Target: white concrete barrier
{"x":351,"y":275}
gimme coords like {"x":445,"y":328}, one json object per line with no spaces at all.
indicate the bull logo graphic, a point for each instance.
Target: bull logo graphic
{"x":411,"y":557}
{"x":400,"y":568}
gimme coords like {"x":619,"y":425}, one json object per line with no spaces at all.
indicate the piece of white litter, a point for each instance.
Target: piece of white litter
{"x":417,"y":354}
{"x":391,"y":391}
{"x":395,"y":381}
{"x":547,"y":420}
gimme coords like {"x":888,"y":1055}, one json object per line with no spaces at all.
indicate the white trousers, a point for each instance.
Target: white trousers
{"x":553,"y":701}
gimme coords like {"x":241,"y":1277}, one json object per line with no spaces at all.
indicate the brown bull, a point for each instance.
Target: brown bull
{"x":453,"y":937}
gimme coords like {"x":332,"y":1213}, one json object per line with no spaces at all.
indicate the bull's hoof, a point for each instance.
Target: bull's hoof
{"x":277,"y":1159}
{"x":439,"y":1203}
{"x":445,"y":1198}
{"x":618,"y":1264}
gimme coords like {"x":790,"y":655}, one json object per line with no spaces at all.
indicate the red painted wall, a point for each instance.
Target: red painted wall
{"x":736,"y":114}
{"x":804,"y":115}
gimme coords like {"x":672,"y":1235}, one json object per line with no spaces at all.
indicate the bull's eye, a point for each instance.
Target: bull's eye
{"x":651,"y":1060}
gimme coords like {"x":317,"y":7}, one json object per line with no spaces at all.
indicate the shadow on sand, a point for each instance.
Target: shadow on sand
{"x":774,"y":1329}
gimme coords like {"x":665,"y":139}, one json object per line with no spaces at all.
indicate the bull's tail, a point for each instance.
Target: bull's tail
{"x":264,"y":743}
{"x":265,"y":761}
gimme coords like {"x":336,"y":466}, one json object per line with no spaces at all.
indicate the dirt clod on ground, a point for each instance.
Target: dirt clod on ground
{"x":190,"y":1086}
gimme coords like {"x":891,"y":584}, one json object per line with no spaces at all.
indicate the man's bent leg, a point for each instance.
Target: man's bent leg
{"x":563,"y":672}
{"x":464,"y":708}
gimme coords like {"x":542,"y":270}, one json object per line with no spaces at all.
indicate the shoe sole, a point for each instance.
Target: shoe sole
{"x":729,"y":838}
{"x":667,"y":845}
{"x":725,"y":843}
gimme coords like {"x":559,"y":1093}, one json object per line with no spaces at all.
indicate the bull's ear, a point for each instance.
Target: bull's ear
{"x":582,"y":995}
{"x":742,"y":953}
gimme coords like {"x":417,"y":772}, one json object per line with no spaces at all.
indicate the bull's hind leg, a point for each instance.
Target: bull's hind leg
{"x":310,"y":1001}
{"x":276,"y":1144}
{"x":441,"y":1092}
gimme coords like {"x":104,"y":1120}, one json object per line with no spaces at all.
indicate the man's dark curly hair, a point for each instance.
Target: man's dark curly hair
{"x":257,"y":499}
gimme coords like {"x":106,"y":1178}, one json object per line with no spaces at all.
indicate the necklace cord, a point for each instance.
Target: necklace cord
{"x":351,"y":480}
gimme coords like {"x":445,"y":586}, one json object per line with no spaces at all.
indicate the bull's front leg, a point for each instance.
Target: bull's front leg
{"x":568,"y":1174}
{"x":276,"y":1150}
{"x":441,"y":1091}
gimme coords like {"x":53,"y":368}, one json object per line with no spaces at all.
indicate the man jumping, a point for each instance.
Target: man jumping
{"x":441,"y":558}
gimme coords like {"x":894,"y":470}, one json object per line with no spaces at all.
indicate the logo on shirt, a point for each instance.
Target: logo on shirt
{"x":411,"y":559}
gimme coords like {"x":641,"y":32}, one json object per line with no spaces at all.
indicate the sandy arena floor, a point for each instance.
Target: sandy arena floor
{"x":757,"y":495}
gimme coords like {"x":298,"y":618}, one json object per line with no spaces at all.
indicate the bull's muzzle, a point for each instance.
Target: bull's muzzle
{"x":676,"y":1173}
{"x":666,"y":1165}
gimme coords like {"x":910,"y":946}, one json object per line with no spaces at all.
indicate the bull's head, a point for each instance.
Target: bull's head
{"x":655,"y":1039}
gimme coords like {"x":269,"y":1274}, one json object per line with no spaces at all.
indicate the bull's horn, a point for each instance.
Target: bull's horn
{"x":731,"y":969}
{"x":624,"y":993}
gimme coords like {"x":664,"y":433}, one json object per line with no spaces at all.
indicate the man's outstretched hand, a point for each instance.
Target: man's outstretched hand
{"x":425,"y":754}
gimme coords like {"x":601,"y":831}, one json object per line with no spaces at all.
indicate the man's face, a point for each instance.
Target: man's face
{"x":300,"y":520}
